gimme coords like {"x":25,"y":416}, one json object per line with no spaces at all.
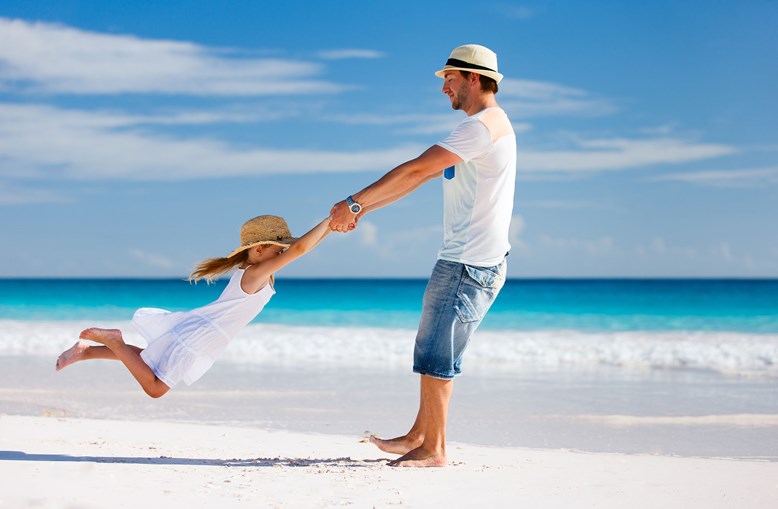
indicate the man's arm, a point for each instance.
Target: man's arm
{"x":392,"y":199}
{"x":397,"y":183}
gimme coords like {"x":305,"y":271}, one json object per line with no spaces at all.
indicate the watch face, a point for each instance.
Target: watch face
{"x":355,"y":208}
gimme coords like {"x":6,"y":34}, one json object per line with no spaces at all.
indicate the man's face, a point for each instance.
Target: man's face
{"x":457,"y":88}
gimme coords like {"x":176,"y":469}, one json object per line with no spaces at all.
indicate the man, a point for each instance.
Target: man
{"x":478,"y":164}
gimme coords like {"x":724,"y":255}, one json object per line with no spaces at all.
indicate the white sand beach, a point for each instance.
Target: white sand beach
{"x":264,"y":436}
{"x":53,"y":462}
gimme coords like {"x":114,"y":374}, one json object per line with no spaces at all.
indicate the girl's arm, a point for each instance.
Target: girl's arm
{"x":257,"y":275}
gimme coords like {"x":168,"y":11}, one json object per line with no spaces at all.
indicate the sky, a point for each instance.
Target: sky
{"x":137,"y":137}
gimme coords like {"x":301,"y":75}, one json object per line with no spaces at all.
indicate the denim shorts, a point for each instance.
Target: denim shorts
{"x":455,"y":301}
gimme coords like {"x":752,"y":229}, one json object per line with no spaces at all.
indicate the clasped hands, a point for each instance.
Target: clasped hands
{"x":342,"y":219}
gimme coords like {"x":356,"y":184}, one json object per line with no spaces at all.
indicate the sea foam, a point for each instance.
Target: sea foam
{"x":504,"y":351}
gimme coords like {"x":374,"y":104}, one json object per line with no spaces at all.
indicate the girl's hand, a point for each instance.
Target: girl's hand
{"x":341,"y":218}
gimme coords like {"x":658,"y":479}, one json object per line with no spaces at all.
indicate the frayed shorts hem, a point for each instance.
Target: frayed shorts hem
{"x":435,"y":375}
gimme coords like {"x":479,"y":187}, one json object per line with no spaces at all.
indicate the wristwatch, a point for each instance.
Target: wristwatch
{"x":353,"y":206}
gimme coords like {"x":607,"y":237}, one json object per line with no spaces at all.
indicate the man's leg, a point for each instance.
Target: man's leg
{"x":431,"y":355}
{"x":435,"y":396}
{"x":409,"y":441}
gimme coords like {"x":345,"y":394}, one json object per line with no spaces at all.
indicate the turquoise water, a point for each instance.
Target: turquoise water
{"x":749,"y":306}
{"x":550,"y":354}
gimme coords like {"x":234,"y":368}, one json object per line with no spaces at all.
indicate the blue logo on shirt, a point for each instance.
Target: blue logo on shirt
{"x":449,"y":172}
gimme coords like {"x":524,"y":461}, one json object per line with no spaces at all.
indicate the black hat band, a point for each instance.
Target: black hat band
{"x":455,"y":62}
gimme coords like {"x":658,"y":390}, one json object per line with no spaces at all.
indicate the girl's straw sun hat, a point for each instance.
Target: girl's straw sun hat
{"x":264,"y":230}
{"x":472,"y":58}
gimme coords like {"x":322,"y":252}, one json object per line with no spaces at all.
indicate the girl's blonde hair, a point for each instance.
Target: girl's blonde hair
{"x":211,"y":268}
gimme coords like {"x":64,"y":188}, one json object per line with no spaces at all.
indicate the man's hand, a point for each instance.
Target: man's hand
{"x":341,"y":218}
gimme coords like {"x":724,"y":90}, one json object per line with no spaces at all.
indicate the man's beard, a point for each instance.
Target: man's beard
{"x":461,"y":96}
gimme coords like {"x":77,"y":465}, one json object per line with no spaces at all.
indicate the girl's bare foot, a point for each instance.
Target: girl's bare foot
{"x":73,"y":354}
{"x":399,"y":445}
{"x":105,"y":337}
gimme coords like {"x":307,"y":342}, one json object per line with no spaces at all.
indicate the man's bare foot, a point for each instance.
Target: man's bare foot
{"x":420,"y":457}
{"x":105,"y":337}
{"x":73,"y":354}
{"x":399,"y":445}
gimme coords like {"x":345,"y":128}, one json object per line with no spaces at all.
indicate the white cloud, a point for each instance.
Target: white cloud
{"x":659,"y":247}
{"x":516,"y":229}
{"x":407,"y":238}
{"x":43,"y":141}
{"x":600,"y":246}
{"x":37,"y":141}
{"x":519,"y":98}
{"x":368,"y":233}
{"x":393,"y":240}
{"x":393,"y":244}
{"x":522,"y":127}
{"x":539,"y":90}
{"x":449,"y":119}
{"x":514,"y":11}
{"x":561,"y":204}
{"x":595,"y":247}
{"x":724,"y":250}
{"x":726,"y":253}
{"x":423,"y":124}
{"x":151,"y":259}
{"x":530,"y":98}
{"x":341,"y":54}
{"x":662,"y":130}
{"x":49,"y":58}
{"x":10,"y":195}
{"x":726,"y":178}
{"x":618,"y":154}
{"x":204,"y":117}
{"x":436,"y":123}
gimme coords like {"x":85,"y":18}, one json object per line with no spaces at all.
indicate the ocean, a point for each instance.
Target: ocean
{"x":682,"y":367}
{"x":727,"y":326}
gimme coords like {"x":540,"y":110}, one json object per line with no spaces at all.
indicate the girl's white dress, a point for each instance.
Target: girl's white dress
{"x":183,"y":345}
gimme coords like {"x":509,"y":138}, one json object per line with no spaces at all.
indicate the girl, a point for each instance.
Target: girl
{"x":183,"y":345}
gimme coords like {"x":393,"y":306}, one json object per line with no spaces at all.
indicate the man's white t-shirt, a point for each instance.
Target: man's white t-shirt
{"x":478,"y":192}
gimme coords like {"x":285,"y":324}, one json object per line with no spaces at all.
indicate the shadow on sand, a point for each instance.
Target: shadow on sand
{"x":167,"y":460}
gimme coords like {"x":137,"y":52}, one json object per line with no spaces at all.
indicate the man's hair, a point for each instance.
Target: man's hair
{"x":487,"y":83}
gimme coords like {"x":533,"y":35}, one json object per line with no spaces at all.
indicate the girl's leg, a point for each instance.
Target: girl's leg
{"x":81,"y":351}
{"x":129,"y":355}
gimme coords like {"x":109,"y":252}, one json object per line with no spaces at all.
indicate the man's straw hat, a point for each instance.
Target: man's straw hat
{"x":264,"y":230}
{"x":472,"y":58}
